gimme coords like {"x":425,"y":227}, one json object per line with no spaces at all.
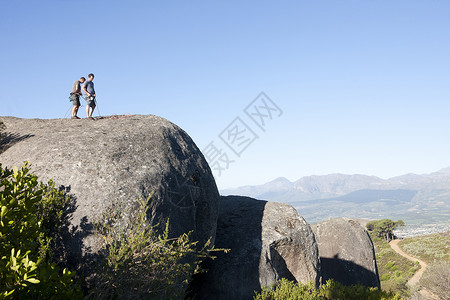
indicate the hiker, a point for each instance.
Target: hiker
{"x":75,"y":96}
{"x":88,"y":89}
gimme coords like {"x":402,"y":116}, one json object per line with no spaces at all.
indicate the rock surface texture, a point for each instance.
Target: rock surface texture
{"x":267,"y":241}
{"x":121,"y":160}
{"x":346,"y":252}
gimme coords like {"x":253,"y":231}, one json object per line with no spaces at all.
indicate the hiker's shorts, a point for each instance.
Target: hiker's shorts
{"x":90,"y":101}
{"x":75,"y":100}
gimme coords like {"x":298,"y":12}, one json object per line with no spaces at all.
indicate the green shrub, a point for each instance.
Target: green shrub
{"x":412,"y":270}
{"x":386,"y":276}
{"x":30,"y":213}
{"x":389,"y":265}
{"x":141,"y":263}
{"x":332,"y":290}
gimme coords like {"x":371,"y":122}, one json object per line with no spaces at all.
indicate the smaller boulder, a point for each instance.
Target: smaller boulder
{"x":267,"y":241}
{"x":346,"y":252}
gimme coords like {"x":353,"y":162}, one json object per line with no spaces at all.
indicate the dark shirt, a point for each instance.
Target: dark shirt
{"x":89,"y":87}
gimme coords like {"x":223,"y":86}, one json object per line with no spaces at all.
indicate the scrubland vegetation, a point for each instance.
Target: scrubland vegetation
{"x":394,"y":270}
{"x":434,"y":249}
{"x":429,"y":248}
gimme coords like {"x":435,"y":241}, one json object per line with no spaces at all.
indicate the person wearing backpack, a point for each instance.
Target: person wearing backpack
{"x":88,"y":89}
{"x":75,"y":96}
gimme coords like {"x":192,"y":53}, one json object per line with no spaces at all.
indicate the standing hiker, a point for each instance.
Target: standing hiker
{"x":88,"y":89}
{"x":75,"y":96}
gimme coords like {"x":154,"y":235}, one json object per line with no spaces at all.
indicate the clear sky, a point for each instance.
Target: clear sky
{"x":363,"y":86}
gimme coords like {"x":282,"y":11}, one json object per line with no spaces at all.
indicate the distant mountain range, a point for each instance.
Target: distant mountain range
{"x":417,"y":199}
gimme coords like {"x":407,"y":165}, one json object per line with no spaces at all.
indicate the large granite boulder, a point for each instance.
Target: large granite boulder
{"x":118,"y":159}
{"x":267,"y":241}
{"x":346,"y":252}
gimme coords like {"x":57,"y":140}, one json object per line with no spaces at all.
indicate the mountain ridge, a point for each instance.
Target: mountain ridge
{"x":345,"y":183}
{"x":418,"y":199}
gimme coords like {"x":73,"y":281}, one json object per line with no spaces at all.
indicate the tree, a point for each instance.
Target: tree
{"x":384,"y":228}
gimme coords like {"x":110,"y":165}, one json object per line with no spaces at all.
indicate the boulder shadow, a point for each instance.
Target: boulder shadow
{"x":68,"y":249}
{"x":8,"y":139}
{"x":249,"y":265}
{"x":236,"y":273}
{"x":347,"y":272}
{"x":279,"y":264}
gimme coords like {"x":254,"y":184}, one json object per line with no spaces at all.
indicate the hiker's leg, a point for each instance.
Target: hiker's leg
{"x":74,"y":110}
{"x":92,"y":110}
{"x":87,"y":111}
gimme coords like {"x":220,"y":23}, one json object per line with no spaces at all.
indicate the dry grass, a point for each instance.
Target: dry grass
{"x":429,"y":248}
{"x":435,"y":250}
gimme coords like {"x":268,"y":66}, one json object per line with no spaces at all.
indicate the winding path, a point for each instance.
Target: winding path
{"x":416,"y":278}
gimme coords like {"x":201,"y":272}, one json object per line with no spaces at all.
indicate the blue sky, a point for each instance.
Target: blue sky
{"x":363,"y":85}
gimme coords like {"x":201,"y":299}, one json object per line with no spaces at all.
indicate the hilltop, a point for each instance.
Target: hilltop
{"x":117,"y":170}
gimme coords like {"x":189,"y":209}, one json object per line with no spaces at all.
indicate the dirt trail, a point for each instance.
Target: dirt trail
{"x":426,"y":294}
{"x":423,"y":265}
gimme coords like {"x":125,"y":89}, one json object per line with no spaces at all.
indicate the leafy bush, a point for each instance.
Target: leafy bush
{"x":30,"y":213}
{"x":332,"y":290}
{"x":142,"y":263}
